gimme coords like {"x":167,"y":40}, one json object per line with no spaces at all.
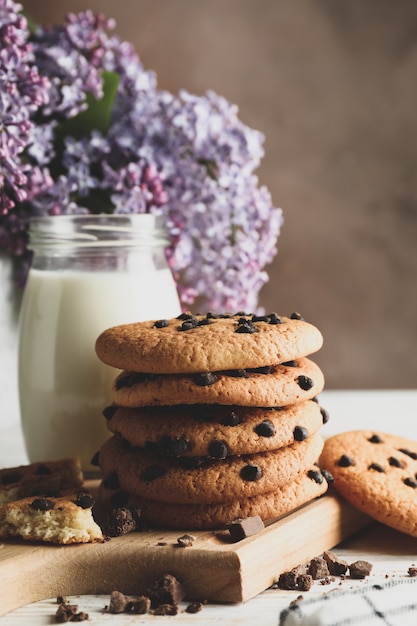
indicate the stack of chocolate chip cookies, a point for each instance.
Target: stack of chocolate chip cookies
{"x":214,"y":418}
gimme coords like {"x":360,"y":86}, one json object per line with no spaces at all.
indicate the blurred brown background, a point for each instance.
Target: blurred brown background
{"x":333,"y":85}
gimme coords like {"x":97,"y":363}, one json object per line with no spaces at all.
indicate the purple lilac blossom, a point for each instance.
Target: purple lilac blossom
{"x":186,"y":157}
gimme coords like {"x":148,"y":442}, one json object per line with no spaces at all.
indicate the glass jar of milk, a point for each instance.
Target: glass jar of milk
{"x":89,"y":272}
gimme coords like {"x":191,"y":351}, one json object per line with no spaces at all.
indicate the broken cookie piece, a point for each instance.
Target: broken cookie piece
{"x":62,"y":518}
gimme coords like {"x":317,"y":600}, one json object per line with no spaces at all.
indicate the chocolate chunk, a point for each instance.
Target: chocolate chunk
{"x":205,"y":379}
{"x":395,"y":462}
{"x":168,"y":446}
{"x":410,"y":482}
{"x":293,"y":580}
{"x":316,"y":475}
{"x":300,"y":433}
{"x":412,"y":455}
{"x":152,"y":472}
{"x":166,"y":590}
{"x":360,"y":569}
{"x":242,"y":528}
{"x":109,"y":411}
{"x":139,"y":606}
{"x":260,"y":318}
{"x":217,"y":450}
{"x":328,"y":476}
{"x":336,"y":566}
{"x":194,"y":462}
{"x":111,"y":481}
{"x":132,"y":378}
{"x":194,"y":607}
{"x":375,"y":439}
{"x":42,"y":504}
{"x":122,"y":520}
{"x":345,"y":461}
{"x":291,"y":363}
{"x":188,"y":324}
{"x":317,"y":568}
{"x":296,"y":316}
{"x":265,"y":429}
{"x":84,"y":500}
{"x":376,"y":467}
{"x":185,"y":541}
{"x":161,"y":323}
{"x":237,"y":373}
{"x":251,"y":473}
{"x":275,"y":319}
{"x":205,"y":322}
{"x":231,"y":420}
{"x":305,"y":382}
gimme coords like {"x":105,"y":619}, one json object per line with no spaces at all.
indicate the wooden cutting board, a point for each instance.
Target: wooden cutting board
{"x":212,"y":569}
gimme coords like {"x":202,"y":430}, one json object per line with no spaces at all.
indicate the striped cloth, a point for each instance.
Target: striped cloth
{"x":389,"y":604}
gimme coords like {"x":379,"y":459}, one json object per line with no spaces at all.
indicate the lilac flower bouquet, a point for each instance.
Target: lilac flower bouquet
{"x":84,"y":129}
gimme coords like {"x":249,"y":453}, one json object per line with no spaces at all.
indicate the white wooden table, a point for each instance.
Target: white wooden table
{"x":390,"y":552}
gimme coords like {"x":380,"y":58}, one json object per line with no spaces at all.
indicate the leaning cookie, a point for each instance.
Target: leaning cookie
{"x":191,"y":344}
{"x":36,"y":478}
{"x":215,"y":430}
{"x":62,"y":518}
{"x":308,"y":485}
{"x":276,"y":385}
{"x":201,"y":480}
{"x":377,"y":473}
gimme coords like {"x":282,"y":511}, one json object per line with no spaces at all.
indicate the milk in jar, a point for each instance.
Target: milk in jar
{"x":88,"y":273}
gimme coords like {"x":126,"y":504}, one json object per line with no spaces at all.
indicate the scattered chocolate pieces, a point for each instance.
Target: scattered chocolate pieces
{"x":317,"y":568}
{"x":122,"y":520}
{"x":336,"y":566}
{"x":295,"y":581}
{"x":166,"y":590}
{"x":69,"y":613}
{"x":242,"y":528}
{"x":360,"y":569}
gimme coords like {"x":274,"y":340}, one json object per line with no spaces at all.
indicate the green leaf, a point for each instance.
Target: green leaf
{"x":97,"y":116}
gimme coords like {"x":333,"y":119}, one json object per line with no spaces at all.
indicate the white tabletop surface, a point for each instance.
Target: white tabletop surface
{"x":390,"y":552}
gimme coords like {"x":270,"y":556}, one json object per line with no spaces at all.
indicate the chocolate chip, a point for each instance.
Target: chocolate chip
{"x":188,"y":324}
{"x":300,"y":433}
{"x":205,"y":379}
{"x":132,"y":378}
{"x":345,"y":461}
{"x":95,"y":460}
{"x":410,"y":482}
{"x":84,"y":500}
{"x":168,"y":446}
{"x":291,"y":363}
{"x":152,"y":472}
{"x":274,"y":319}
{"x":242,"y":528}
{"x":238,"y":373}
{"x":246,"y":326}
{"x":264,"y":369}
{"x":217,"y":449}
{"x":328,"y":476}
{"x":42,"y":504}
{"x":11,"y":478}
{"x":395,"y":462}
{"x":109,"y":411}
{"x":185,"y":316}
{"x":296,"y":316}
{"x":194,"y":462}
{"x":315,"y":475}
{"x":205,"y":322}
{"x":265,"y":429}
{"x":111,"y":481}
{"x":251,"y":473}
{"x":325,"y":415}
{"x":260,"y":318}
{"x":161,"y":323}
{"x":375,"y":439}
{"x":376,"y":467}
{"x":305,"y":382}
{"x":231,"y":420}
{"x":412,"y":455}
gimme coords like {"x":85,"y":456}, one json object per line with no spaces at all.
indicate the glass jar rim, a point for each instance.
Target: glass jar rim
{"x":97,"y":230}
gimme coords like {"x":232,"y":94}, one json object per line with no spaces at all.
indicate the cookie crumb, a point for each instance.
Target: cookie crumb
{"x":194,"y":607}
{"x":245,"y":527}
{"x":122,"y":520}
{"x":165,"y":609}
{"x":167,"y":590}
{"x":118,"y":602}
{"x":185,"y":541}
{"x":69,"y":613}
{"x":317,"y":568}
{"x":412,"y":571}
